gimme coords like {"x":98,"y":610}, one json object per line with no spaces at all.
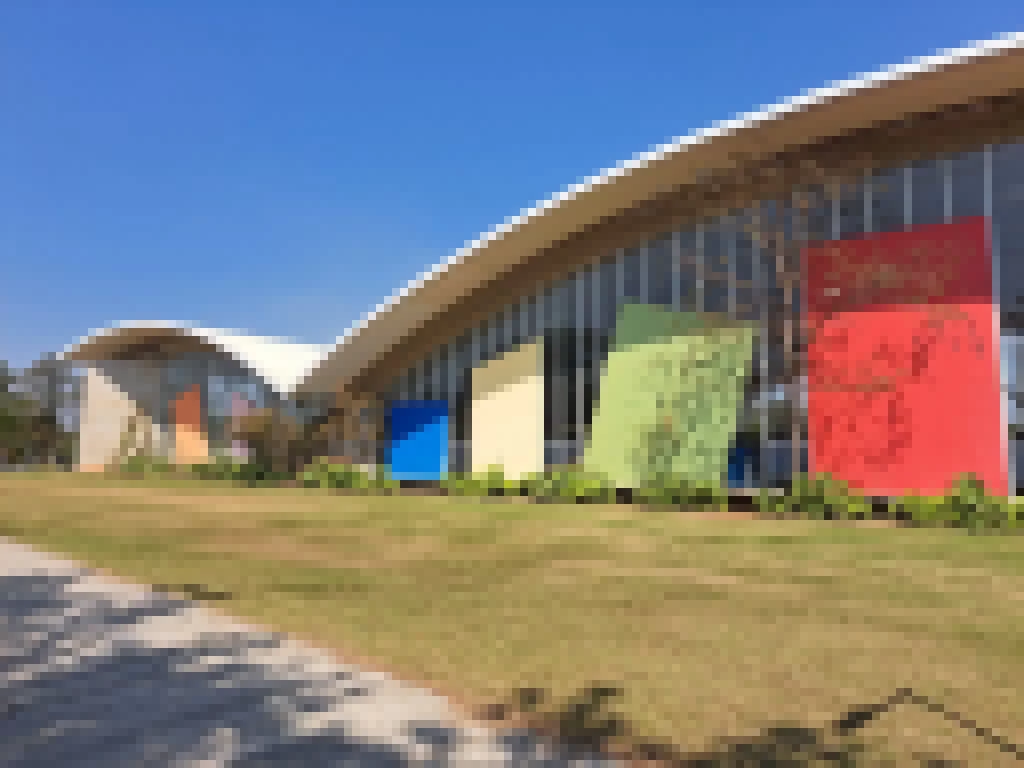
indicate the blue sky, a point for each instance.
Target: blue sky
{"x":282,"y":167}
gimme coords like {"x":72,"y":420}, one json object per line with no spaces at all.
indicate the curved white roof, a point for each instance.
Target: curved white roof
{"x":977,"y":70}
{"x":280,"y":362}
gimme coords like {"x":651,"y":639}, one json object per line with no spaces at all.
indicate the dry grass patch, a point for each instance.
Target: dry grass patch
{"x":713,"y":627}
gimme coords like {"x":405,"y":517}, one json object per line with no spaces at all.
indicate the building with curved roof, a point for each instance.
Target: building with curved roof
{"x":515,"y":334}
{"x":792,"y":289}
{"x":164,"y":388}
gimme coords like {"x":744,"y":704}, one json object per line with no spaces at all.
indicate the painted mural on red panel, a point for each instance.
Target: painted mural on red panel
{"x":903,"y":360}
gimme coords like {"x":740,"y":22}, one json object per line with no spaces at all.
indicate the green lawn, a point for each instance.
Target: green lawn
{"x":712,"y":627}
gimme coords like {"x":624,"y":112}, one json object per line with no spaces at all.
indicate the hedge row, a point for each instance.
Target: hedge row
{"x":967,"y":506}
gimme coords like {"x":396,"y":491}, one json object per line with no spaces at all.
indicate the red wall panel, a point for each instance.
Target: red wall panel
{"x":903,"y":360}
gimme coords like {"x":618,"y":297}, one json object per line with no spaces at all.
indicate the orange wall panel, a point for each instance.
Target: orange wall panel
{"x":190,"y":440}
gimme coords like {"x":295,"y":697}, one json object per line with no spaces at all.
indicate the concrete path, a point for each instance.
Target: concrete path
{"x":98,"y":673}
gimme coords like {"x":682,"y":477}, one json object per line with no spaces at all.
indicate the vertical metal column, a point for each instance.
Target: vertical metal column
{"x":762,"y":360}
{"x":908,"y":196}
{"x":645,"y":273}
{"x":620,"y":280}
{"x":677,"y":271}
{"x":420,"y":380}
{"x":436,"y":378}
{"x":524,"y":320}
{"x":795,"y":214}
{"x":405,"y":385}
{"x":947,"y":189}
{"x":580,"y":324}
{"x":453,"y":404}
{"x":700,"y":267}
{"x":1004,"y":381}
{"x":731,"y":224}
{"x":543,"y":313}
{"x":464,"y":349}
{"x":836,"y":205}
{"x":620,"y":286}
{"x":597,"y":329}
{"x":509,"y":327}
{"x":869,"y":201}
{"x":490,"y":339}
{"x":475,"y":355}
{"x":562,"y":326}
{"x":532,"y":324}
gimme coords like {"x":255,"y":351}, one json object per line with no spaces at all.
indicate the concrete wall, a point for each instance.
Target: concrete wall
{"x":120,"y":413}
{"x":508,"y":412}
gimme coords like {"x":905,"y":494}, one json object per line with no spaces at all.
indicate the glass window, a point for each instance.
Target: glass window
{"x":887,"y":193}
{"x":408,"y":384}
{"x":688,"y":271}
{"x":441,"y":370}
{"x":660,"y":276}
{"x":500,"y":334}
{"x":607,"y":276}
{"x":716,"y":255}
{"x":427,"y":379}
{"x":743,"y":250}
{"x":851,"y":209}
{"x":968,"y":184}
{"x":634,"y":287}
{"x":818,"y":221}
{"x":513,"y":327}
{"x":716,"y":296}
{"x":928,"y":192}
{"x":567,"y":303}
{"x":1008,"y":230}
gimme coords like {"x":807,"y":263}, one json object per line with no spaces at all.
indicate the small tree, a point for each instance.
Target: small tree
{"x":274,"y":439}
{"x":30,"y":431}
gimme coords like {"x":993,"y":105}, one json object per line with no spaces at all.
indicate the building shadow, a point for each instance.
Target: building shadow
{"x":71,"y":695}
{"x":584,"y":726}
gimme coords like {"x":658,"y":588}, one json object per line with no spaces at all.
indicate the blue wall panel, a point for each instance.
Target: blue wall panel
{"x":417,"y":445}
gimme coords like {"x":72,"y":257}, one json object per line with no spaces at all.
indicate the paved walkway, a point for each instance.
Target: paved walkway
{"x":97,"y":673}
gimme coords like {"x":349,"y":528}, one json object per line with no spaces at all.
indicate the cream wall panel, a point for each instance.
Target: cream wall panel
{"x":107,"y":414}
{"x":508,"y":412}
{"x":119,"y":401}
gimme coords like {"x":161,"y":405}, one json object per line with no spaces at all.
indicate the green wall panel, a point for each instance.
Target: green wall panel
{"x":670,"y":395}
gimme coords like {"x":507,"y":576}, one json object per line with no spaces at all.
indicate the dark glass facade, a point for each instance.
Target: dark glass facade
{"x":746,"y":264}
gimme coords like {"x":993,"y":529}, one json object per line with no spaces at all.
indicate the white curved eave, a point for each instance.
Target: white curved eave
{"x":344,"y":369}
{"x":280,"y":363}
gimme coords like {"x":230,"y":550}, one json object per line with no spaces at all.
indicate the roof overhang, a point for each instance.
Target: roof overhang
{"x":280,"y":363}
{"x":980,"y":71}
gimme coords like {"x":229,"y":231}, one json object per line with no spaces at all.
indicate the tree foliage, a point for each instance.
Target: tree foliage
{"x":30,"y":431}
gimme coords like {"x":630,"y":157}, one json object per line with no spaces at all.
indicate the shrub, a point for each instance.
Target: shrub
{"x":490,"y":483}
{"x":325,"y":474}
{"x":922,"y":511}
{"x":570,"y":484}
{"x":678,"y":490}
{"x":494,"y":483}
{"x":244,"y":473}
{"x":970,"y":506}
{"x":380,"y":481}
{"x":145,"y":466}
{"x":818,"y":497}
{"x":967,"y":506}
{"x":1013,"y":514}
{"x":462,"y":484}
